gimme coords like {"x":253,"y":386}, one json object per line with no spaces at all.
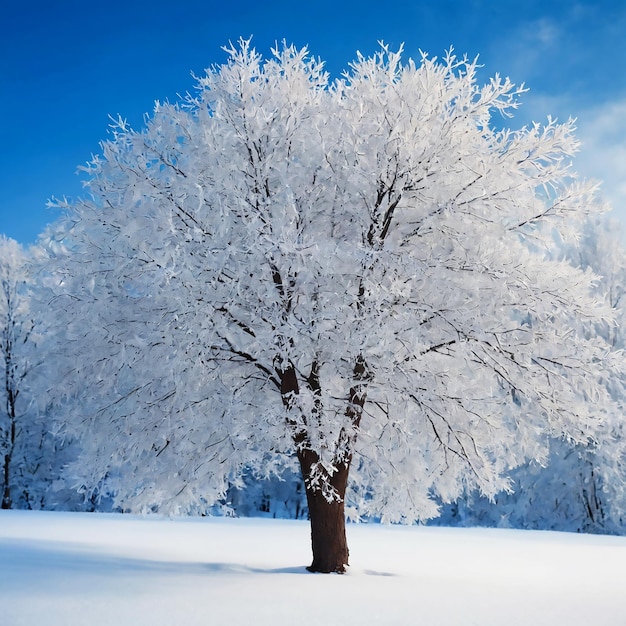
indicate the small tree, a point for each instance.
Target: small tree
{"x":16,"y":326}
{"x":351,"y":273}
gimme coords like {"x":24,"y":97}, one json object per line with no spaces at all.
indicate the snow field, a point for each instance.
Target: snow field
{"x":69,"y":569}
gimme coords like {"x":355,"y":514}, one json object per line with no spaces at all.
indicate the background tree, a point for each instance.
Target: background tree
{"x":603,"y":470}
{"x":580,"y":487}
{"x":351,"y":274}
{"x":32,"y":457}
{"x":18,"y":439}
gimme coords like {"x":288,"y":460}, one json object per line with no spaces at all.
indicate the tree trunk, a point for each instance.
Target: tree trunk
{"x":6,"y":490}
{"x":328,"y":522}
{"x":7,"y":503}
{"x":327,"y":518}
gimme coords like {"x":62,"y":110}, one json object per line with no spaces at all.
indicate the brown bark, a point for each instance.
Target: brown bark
{"x":327,"y":518}
{"x":328,"y":522}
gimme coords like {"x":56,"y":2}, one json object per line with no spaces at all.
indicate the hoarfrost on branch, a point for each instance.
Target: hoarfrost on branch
{"x":358,"y":271}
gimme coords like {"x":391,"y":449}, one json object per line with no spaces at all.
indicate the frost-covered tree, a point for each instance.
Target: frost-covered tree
{"x":32,"y":457}
{"x":567,"y":492}
{"x":18,"y":442}
{"x":348,"y":274}
{"x":580,"y":487}
{"x":602,"y":250}
{"x":602,"y":474}
{"x":592,"y":495}
{"x":15,"y":328}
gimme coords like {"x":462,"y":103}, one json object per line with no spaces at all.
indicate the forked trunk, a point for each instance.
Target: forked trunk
{"x":328,"y":522}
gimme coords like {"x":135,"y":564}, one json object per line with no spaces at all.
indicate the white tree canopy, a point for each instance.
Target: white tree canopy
{"x":354,"y":268}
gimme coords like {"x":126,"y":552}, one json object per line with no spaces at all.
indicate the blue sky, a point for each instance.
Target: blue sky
{"x":66,"y":66}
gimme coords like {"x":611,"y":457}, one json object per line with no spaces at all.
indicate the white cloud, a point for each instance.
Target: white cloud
{"x":543,"y":31}
{"x":524,"y":51}
{"x":602,"y":131}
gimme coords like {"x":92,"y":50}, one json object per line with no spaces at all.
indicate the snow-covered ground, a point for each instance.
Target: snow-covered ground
{"x":68,"y":569}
